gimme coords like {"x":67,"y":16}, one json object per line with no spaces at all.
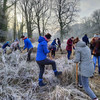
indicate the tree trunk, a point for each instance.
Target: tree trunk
{"x":3,"y":21}
{"x":43,"y":28}
{"x":61,"y":33}
{"x":38,"y":24}
{"x":29,"y":30}
{"x":15,"y":20}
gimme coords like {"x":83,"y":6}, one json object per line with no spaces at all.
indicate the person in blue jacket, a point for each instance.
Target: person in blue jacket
{"x":5,"y":45}
{"x":27,"y":45}
{"x":41,"y":58}
{"x":85,"y":39}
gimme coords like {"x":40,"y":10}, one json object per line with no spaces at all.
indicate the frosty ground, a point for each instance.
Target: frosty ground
{"x":19,"y":79}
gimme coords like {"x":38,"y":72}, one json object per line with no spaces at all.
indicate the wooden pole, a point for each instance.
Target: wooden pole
{"x":76,"y":73}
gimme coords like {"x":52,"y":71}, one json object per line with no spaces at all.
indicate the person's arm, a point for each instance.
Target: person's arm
{"x":25,"y":45}
{"x":77,"y":56}
{"x":45,"y":49}
{"x":8,"y":45}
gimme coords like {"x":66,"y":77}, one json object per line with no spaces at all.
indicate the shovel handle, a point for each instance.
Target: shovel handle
{"x":76,"y":73}
{"x":50,"y":55}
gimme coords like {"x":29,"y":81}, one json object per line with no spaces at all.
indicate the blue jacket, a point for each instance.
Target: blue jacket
{"x":5,"y":45}
{"x":42,"y":49}
{"x":53,"y":45}
{"x":54,"y":42}
{"x":85,"y":39}
{"x":27,"y":43}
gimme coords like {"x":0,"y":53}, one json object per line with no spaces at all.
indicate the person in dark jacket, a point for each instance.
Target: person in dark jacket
{"x":85,"y":39}
{"x":69,"y":46}
{"x":42,"y":60}
{"x":53,"y":48}
{"x":28,"y":45}
{"x":4,"y":46}
{"x":59,"y":45}
{"x":95,"y":49}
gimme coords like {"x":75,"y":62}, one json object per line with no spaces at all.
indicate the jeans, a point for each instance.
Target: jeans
{"x":42,"y":66}
{"x":85,"y":83}
{"x":95,"y":60}
{"x":69,"y":53}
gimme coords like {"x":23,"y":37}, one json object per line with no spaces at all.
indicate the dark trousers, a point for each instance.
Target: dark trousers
{"x":42,"y":66}
{"x":69,"y":53}
{"x":53,"y":53}
{"x":59,"y":47}
{"x":4,"y":51}
{"x":29,"y":54}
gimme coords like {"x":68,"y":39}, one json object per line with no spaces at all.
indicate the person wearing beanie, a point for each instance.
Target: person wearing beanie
{"x":28,"y":45}
{"x":4,"y":46}
{"x":85,"y":39}
{"x":42,"y":60}
{"x":53,"y":46}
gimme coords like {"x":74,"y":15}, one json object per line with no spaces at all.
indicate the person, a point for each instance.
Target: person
{"x":69,"y":47}
{"x":95,"y":50}
{"x":59,"y":45}
{"x":42,"y":60}
{"x":85,"y":39}
{"x":28,"y":45}
{"x":4,"y":46}
{"x":15,"y":45}
{"x":53,"y":48}
{"x":86,"y":69}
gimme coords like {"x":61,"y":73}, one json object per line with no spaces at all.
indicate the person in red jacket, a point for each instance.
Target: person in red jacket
{"x":69,"y":46}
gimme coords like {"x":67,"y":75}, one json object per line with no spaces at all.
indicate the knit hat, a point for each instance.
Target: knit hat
{"x":8,"y":42}
{"x":48,"y":36}
{"x":95,"y":35}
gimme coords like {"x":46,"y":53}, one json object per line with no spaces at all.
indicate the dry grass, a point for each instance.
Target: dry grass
{"x":94,"y":82}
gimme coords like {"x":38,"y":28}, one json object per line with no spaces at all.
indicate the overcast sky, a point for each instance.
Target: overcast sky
{"x":88,"y":6}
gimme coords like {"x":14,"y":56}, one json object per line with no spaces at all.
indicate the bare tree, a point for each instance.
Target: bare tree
{"x":66,"y":11}
{"x":96,"y":20}
{"x":14,"y":30}
{"x":4,"y":6}
{"x":42,"y":14}
{"x":27,"y":8}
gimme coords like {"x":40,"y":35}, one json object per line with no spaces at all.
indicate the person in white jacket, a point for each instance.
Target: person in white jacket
{"x":15,"y":45}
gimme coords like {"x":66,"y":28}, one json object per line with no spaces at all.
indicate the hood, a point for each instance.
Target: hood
{"x":41,"y":39}
{"x":85,"y":36}
{"x":25,"y":38}
{"x":81,"y":44}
